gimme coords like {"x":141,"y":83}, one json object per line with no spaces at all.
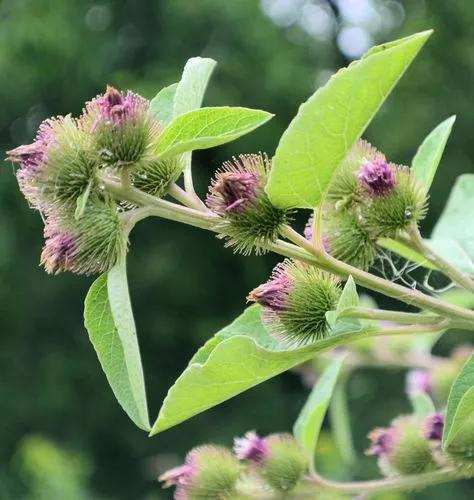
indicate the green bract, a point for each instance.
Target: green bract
{"x":208,"y":127}
{"x":329,"y":123}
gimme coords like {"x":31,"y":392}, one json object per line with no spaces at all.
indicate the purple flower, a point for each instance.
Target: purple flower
{"x":250,"y":447}
{"x":177,"y":476}
{"x":434,"y":427}
{"x":382,"y":441}
{"x":377,"y":176}
{"x":32,"y":159}
{"x":116,"y":108}
{"x":419,"y":381}
{"x":59,"y":249}
{"x":308,"y":234}
{"x":308,"y":229}
{"x":273,"y":293}
{"x":232,"y":191}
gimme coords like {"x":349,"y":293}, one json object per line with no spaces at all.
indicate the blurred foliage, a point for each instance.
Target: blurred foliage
{"x":56,"y":54}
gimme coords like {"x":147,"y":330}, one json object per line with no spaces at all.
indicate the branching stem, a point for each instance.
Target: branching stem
{"x":301,"y":249}
{"x":415,"y":241}
{"x":400,"y":483}
{"x":196,"y":214}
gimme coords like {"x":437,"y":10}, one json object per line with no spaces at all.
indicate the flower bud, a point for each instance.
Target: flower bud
{"x":58,"y":167}
{"x":209,"y":472}
{"x":124,"y":130}
{"x":345,"y":187}
{"x":284,"y":463}
{"x":249,"y":220}
{"x":295,"y":301}
{"x":461,"y":448}
{"x":402,"y":448}
{"x":91,"y":244}
{"x":348,"y":238}
{"x":396,"y":200}
{"x":419,"y":381}
{"x":155,"y":176}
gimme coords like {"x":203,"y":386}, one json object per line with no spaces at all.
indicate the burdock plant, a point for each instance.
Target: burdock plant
{"x":93,"y":177}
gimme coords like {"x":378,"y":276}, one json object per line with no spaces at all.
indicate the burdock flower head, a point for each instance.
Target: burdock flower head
{"x":295,"y":301}
{"x":377,"y":177}
{"x":209,"y":472}
{"x":124,"y":130}
{"x":249,"y":220}
{"x":250,"y":447}
{"x":345,"y":186}
{"x":57,"y":167}
{"x":390,"y":210}
{"x":284,"y":462}
{"x":434,"y":426}
{"x":88,"y":245}
{"x":402,"y":448}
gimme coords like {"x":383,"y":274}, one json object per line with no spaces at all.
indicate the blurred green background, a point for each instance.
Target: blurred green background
{"x":62,"y":435}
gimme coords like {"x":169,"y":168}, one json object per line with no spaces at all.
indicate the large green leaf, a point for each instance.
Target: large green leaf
{"x":109,"y":322}
{"x":460,"y":408}
{"x":239,"y":357}
{"x":427,"y":158}
{"x":329,"y":123}
{"x":162,"y":105}
{"x":309,"y":422}
{"x":453,"y":234}
{"x":208,"y":127}
{"x":192,"y":86}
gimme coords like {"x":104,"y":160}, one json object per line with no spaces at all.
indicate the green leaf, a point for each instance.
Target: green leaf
{"x":191,"y":90}
{"x":421,"y":403}
{"x":460,"y":408}
{"x":308,"y":425}
{"x":452,"y":236}
{"x":349,"y":298}
{"x":329,"y":123}
{"x":162,"y":105}
{"x":109,"y":322}
{"x":208,"y":127}
{"x":81,"y":201}
{"x":427,"y":158}
{"x":192,"y":86}
{"x":239,"y":357}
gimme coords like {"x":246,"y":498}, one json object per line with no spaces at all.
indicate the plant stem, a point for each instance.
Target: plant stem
{"x":318,"y":243}
{"x":303,"y":250}
{"x":188,"y":199}
{"x":394,"y":290}
{"x":384,"y":315}
{"x":416,"y":242}
{"x":401,"y":483}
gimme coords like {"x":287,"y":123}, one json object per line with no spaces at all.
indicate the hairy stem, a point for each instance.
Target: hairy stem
{"x":401,"y":483}
{"x":394,"y":290}
{"x":302,"y":250}
{"x":416,"y":242}
{"x":188,"y":199}
{"x":384,"y":315}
